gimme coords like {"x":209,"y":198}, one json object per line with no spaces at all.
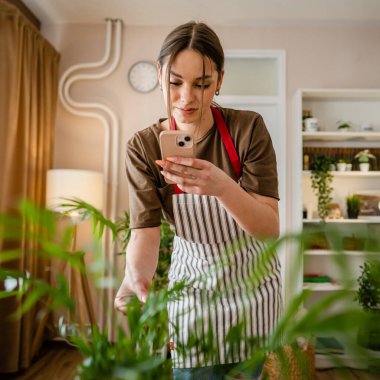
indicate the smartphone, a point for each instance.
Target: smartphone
{"x":176,"y":143}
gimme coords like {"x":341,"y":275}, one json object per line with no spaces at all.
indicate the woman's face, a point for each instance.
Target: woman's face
{"x":186,"y":86}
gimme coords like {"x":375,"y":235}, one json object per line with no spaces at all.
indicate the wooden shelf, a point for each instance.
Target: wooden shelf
{"x":345,"y":221}
{"x":323,"y":286}
{"x":352,"y":173}
{"x":340,"y":93}
{"x":327,"y":252}
{"x":341,"y":136}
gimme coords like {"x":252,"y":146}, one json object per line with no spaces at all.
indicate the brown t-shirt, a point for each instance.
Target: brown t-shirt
{"x":150,"y":197}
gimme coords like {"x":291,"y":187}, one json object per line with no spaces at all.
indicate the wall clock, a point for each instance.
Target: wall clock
{"x":142,"y":76}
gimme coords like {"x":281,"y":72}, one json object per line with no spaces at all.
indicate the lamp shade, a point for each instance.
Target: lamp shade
{"x":85,"y":185}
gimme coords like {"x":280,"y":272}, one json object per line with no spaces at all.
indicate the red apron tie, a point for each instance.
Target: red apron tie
{"x":227,"y":142}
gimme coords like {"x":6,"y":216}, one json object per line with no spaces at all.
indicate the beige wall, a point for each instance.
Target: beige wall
{"x":332,"y":57}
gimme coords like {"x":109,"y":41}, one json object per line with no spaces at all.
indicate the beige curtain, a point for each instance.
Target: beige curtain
{"x":28,"y":97}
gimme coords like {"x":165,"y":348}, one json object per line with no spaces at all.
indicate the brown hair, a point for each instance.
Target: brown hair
{"x":195,"y":36}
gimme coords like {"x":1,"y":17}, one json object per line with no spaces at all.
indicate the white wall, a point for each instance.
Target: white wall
{"x":326,"y":56}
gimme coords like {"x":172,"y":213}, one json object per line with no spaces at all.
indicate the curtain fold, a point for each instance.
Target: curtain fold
{"x":28,"y":99}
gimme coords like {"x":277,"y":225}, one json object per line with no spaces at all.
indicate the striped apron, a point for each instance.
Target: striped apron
{"x":218,"y":263}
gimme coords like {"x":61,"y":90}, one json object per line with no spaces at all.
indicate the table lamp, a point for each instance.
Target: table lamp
{"x":86,"y":185}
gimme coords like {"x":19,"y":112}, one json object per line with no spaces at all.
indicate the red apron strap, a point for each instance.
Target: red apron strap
{"x":173,"y":125}
{"x":227,"y":142}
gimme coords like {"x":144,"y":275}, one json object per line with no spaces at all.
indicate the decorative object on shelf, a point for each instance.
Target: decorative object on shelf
{"x":142,"y":76}
{"x":364,"y":157}
{"x":318,"y":240}
{"x":344,"y":126}
{"x":306,"y":114}
{"x":316,"y":278}
{"x":311,"y":124}
{"x":321,"y":179}
{"x":334,"y":211}
{"x":370,"y":204}
{"x":366,"y":127}
{"x":353,"y":203}
{"x":306,"y":162}
{"x":353,"y":243}
{"x":348,"y":167}
{"x":341,"y":165}
{"x":368,"y":297}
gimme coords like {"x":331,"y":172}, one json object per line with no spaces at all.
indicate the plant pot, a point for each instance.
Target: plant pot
{"x":344,"y":129}
{"x":364,"y":166}
{"x":352,"y":213}
{"x":369,"y":332}
{"x":341,"y":166}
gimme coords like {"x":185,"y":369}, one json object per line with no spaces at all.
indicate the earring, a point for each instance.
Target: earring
{"x":217,"y":92}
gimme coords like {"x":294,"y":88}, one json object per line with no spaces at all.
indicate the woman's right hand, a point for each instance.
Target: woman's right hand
{"x":140,"y":266}
{"x":125,"y":291}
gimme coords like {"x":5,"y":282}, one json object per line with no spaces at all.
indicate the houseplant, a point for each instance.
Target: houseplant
{"x":364,"y":157}
{"x":344,"y":126}
{"x":321,"y":179}
{"x":141,"y":352}
{"x":368,"y":297}
{"x":353,"y":203}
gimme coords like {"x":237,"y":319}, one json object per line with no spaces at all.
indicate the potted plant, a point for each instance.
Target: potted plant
{"x":353,"y":203}
{"x":368,"y":297}
{"x":364,"y":157}
{"x":341,"y":165}
{"x":344,"y":126}
{"x":321,"y":179}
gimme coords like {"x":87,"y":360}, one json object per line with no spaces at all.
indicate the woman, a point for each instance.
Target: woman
{"x":224,"y":203}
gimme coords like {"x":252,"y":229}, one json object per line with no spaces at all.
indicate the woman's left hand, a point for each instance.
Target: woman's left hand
{"x":194,"y":176}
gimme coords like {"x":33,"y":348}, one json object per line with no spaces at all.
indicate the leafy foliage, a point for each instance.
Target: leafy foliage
{"x":139,"y":353}
{"x":321,"y":179}
{"x":353,"y":202}
{"x":368,"y":294}
{"x":364,"y":156}
{"x":140,"y":350}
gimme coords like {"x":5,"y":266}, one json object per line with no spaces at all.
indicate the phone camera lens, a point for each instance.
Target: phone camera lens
{"x":187,"y":138}
{"x":181,"y":143}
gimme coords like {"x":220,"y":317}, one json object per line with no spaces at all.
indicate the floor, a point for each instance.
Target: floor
{"x":59,"y":360}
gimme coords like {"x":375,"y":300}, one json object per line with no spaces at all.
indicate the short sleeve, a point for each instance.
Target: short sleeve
{"x":144,"y":202}
{"x":259,"y":167}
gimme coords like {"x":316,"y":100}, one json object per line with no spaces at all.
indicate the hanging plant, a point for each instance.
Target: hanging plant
{"x":321,"y":179}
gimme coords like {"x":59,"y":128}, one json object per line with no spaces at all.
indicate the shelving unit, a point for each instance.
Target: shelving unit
{"x":329,"y":106}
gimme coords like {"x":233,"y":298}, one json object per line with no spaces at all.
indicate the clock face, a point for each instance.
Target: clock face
{"x":142,"y":76}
